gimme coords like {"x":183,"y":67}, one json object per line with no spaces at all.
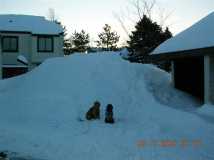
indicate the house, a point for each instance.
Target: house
{"x":26,"y":41}
{"x":192,"y":55}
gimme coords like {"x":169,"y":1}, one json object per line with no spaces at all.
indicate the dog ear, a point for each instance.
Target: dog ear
{"x":89,"y":114}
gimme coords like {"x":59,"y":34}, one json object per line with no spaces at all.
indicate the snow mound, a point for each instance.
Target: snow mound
{"x":41,"y":112}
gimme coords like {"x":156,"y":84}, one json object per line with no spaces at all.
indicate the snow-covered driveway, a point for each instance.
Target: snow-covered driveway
{"x":41,"y":112}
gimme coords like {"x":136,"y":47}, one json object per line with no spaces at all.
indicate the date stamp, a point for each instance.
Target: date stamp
{"x":169,"y":143}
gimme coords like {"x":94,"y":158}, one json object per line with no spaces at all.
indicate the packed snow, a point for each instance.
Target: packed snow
{"x":200,"y":35}
{"x":42,"y":113}
{"x":28,"y":23}
{"x":22,"y":59}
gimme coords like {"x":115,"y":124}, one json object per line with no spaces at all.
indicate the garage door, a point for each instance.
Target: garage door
{"x":9,"y":72}
{"x":189,"y":75}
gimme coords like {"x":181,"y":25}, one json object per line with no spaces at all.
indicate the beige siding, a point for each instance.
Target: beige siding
{"x":24,"y":48}
{"x":38,"y":57}
{"x":209,"y":78}
{"x":0,"y":63}
{"x":172,"y":74}
{"x":212,"y":78}
{"x":27,"y":46}
{"x":206,"y":79}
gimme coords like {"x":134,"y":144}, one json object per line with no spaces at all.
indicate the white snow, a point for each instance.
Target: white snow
{"x":40,"y":112}
{"x":22,"y":59}
{"x":200,"y":35}
{"x":125,"y":53}
{"x":28,"y":23}
{"x":13,"y":66}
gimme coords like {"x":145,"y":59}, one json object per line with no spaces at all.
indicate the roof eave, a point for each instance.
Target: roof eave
{"x":180,"y":54}
{"x":170,"y":56}
{"x":27,"y":32}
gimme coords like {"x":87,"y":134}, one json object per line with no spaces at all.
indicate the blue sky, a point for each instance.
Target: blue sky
{"x":91,"y":15}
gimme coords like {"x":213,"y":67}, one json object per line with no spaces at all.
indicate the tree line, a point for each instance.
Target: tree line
{"x":143,"y":39}
{"x":146,"y":36}
{"x":79,"y":41}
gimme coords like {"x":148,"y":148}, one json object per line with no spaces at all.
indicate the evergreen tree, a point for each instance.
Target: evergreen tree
{"x":66,"y":42}
{"x":108,"y":39}
{"x":167,"y":34}
{"x":80,"y":41}
{"x":147,"y":36}
{"x":67,"y":46}
{"x":165,"y":65}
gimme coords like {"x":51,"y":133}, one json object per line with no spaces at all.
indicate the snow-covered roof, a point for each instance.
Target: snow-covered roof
{"x":29,"y":23}
{"x":200,"y":35}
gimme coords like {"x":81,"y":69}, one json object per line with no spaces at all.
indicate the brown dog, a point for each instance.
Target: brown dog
{"x":93,"y":112}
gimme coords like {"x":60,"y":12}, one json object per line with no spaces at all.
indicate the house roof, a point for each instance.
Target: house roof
{"x":198,"y":36}
{"x":28,"y":23}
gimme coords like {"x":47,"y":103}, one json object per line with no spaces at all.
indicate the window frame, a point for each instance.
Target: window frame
{"x":10,"y":50}
{"x":46,"y":37}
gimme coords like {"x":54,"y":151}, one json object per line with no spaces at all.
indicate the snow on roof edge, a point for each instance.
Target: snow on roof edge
{"x":28,"y":23}
{"x":27,"y":15}
{"x":197,"y":36}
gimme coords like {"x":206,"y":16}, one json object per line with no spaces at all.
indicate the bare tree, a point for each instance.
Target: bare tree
{"x":144,"y":7}
{"x":121,"y":21}
{"x":138,"y":8}
{"x":164,"y":16}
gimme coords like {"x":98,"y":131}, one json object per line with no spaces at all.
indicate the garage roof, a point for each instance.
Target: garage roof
{"x":200,"y":35}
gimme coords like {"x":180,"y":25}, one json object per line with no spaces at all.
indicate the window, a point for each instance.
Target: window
{"x":45,"y":44}
{"x":9,"y":44}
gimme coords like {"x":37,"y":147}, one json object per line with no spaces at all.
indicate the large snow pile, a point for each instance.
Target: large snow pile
{"x":200,"y":35}
{"x":41,"y":112}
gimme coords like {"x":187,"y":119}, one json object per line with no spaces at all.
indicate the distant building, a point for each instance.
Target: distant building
{"x":26,"y":41}
{"x":192,"y":55}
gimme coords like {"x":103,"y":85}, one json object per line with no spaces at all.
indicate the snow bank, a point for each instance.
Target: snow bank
{"x":40,"y":112}
{"x":200,"y":35}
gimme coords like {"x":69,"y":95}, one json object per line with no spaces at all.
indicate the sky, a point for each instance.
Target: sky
{"x":92,"y":15}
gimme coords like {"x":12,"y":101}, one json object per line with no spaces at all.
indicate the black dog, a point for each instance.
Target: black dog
{"x":109,"y":114}
{"x":3,"y":155}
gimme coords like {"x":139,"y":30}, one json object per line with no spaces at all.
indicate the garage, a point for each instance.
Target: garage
{"x":11,"y":71}
{"x":189,"y":75}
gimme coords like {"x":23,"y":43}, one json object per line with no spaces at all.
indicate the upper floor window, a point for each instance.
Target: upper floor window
{"x":10,"y":44}
{"x":45,"y":44}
